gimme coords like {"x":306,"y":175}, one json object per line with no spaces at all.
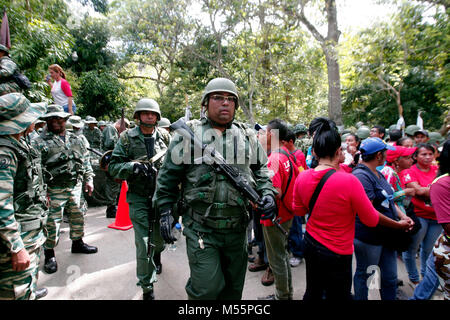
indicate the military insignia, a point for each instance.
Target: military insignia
{"x":4,"y":162}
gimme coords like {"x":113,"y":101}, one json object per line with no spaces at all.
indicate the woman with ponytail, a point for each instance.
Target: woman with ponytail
{"x":331,"y":224}
{"x":60,"y":89}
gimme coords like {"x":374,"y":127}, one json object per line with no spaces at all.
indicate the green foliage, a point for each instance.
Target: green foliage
{"x":398,"y":62}
{"x":99,"y":94}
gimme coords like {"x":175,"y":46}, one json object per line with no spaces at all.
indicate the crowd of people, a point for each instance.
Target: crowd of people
{"x":318,"y":194}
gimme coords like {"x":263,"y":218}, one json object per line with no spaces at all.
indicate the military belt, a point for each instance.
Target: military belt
{"x":225,"y":223}
{"x":33,"y":224}
{"x":219,"y":210}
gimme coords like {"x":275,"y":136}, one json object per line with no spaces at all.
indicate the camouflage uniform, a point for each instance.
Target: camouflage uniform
{"x":94,"y":137}
{"x":129,"y":149}
{"x":7,"y":69}
{"x":304,"y":144}
{"x":110,"y":136}
{"x":23,"y":205}
{"x":215,"y":213}
{"x":66,"y":163}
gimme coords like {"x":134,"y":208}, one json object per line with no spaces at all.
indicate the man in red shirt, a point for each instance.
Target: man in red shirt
{"x":283,"y":171}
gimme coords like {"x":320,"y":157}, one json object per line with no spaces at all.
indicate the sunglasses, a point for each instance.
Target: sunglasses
{"x":221,"y":98}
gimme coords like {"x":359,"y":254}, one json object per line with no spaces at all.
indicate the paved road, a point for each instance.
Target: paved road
{"x":110,"y":274}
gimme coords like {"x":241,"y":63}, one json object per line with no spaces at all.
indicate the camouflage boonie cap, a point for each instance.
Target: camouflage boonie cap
{"x":164,"y":123}
{"x":90,"y":119}
{"x":300,"y":128}
{"x":75,"y":121}
{"x":4,"y":48}
{"x":55,"y":110}
{"x":17,"y":113}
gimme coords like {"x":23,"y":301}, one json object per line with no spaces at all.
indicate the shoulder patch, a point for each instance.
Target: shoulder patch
{"x":4,"y":162}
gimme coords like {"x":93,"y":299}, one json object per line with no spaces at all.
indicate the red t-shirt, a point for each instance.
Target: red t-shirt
{"x":280,"y":167}
{"x":440,"y":198}
{"x":332,"y":222}
{"x":424,"y":179}
{"x":300,"y":160}
{"x":65,"y":87}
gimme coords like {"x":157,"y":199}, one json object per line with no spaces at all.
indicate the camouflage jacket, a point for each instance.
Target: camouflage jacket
{"x":303,"y":144}
{"x":131,"y":148}
{"x":23,"y":204}
{"x":94,"y":137}
{"x":110,"y":136}
{"x":64,"y":162}
{"x":204,"y":190}
{"x":7,"y":69}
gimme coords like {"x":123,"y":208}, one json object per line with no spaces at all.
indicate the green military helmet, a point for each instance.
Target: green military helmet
{"x":147,"y":104}
{"x":411,"y":129}
{"x":17,"y":113}
{"x":435,"y":138}
{"x":220,"y":85}
{"x":363,"y":132}
{"x":300,"y":128}
{"x":101,"y":123}
{"x":164,"y":123}
{"x":346,"y":131}
{"x":4,"y":48}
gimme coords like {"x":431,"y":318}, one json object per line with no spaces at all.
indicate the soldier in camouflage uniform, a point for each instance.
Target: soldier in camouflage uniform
{"x":110,"y":136}
{"x":303,"y":140}
{"x":66,"y":164}
{"x":215,"y":215}
{"x":7,"y":68}
{"x":23,"y":205}
{"x":128,"y":162}
{"x":92,"y":133}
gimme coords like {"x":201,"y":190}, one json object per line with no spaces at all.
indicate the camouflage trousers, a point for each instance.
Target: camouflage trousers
{"x":19,"y":285}
{"x":441,"y":252}
{"x":67,"y":200}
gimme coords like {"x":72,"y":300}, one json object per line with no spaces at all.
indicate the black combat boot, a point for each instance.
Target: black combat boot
{"x":157,"y":261}
{"x":78,"y":246}
{"x":148,"y":295}
{"x":111,"y":211}
{"x":50,"y":265}
{"x":40,"y":293}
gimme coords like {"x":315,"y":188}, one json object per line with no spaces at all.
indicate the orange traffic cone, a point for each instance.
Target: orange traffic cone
{"x":123,"y":221}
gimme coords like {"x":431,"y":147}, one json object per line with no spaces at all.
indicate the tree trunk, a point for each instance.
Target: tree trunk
{"x":334,"y":89}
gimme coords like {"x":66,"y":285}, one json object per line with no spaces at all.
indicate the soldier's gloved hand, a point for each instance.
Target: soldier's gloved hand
{"x":165,"y":225}
{"x":268,"y":209}
{"x":140,"y":169}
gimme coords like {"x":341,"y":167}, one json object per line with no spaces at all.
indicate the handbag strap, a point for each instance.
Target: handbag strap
{"x":319,"y":187}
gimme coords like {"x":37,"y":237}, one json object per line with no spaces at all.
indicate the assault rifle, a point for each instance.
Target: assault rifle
{"x":151,"y":176}
{"x":216,"y":160}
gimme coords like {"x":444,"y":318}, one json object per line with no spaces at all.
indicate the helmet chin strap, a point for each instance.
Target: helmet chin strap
{"x":147,"y":125}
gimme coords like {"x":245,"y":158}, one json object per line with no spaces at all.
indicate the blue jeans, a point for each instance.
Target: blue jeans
{"x":295,"y":240}
{"x":425,"y":237}
{"x":368,"y":259}
{"x":426,"y":288}
{"x":74,"y":108}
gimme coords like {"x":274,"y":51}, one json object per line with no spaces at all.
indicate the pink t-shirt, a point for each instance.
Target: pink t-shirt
{"x":332,"y":222}
{"x":280,"y":167}
{"x":440,"y":198}
{"x":424,"y":179}
{"x":61,"y":91}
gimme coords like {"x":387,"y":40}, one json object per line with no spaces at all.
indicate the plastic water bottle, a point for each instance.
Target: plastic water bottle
{"x":176,"y":232}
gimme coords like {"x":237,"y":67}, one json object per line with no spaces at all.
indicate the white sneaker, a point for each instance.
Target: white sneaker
{"x":295,"y":261}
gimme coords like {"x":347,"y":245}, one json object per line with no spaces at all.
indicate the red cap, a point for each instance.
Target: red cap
{"x":399,"y":151}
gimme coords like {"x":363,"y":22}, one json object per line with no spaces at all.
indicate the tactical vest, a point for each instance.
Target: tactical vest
{"x":30,"y":203}
{"x":210,"y":197}
{"x":135,"y":144}
{"x":63,"y":163}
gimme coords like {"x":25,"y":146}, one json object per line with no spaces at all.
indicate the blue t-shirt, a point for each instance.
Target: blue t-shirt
{"x":381,"y":192}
